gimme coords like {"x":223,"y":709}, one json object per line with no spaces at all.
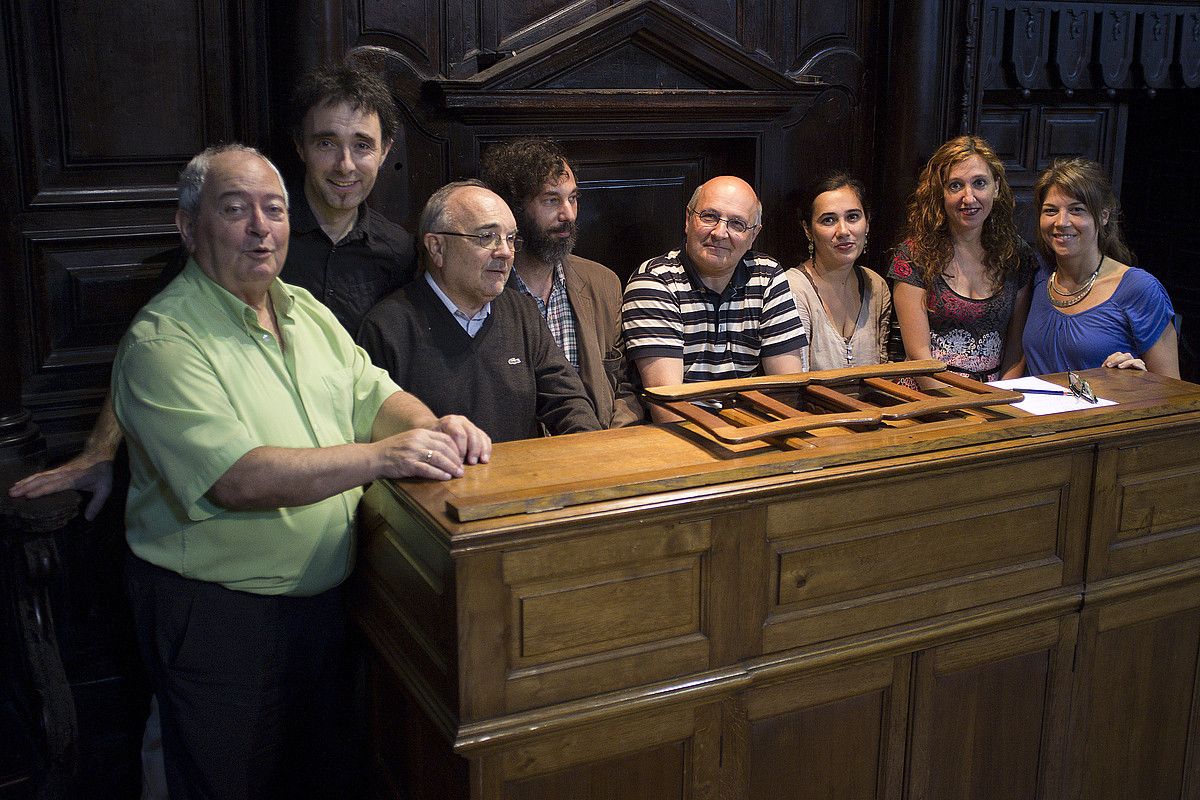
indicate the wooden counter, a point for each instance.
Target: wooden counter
{"x":982,"y":605}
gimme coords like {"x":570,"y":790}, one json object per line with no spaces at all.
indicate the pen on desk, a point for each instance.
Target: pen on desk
{"x":1066,"y":392}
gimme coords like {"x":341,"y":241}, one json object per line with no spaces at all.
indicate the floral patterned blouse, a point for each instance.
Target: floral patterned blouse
{"x":968,"y":335}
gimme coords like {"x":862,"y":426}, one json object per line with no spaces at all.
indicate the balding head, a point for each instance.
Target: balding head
{"x":233,"y":219}
{"x":469,"y":270}
{"x":713,"y":248}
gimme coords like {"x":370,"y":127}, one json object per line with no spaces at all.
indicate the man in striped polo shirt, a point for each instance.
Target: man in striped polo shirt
{"x":715,"y":309}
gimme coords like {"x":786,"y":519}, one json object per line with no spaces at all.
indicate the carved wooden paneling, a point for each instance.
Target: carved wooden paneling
{"x":98,"y":283}
{"x":1030,"y":44}
{"x":112,"y":117}
{"x":862,"y":567}
{"x":993,"y":707}
{"x":1188,"y":62}
{"x":1073,"y":45}
{"x":630,"y":610}
{"x":828,"y":38}
{"x":667,"y":755}
{"x":1116,"y":46}
{"x":1137,"y":712}
{"x":107,"y":102}
{"x":657,"y":104}
{"x":1009,"y":130}
{"x":838,"y":733}
{"x":703,"y":78}
{"x":1156,"y":46}
{"x":1078,"y":131}
{"x":1144,"y":518}
{"x":411,"y":28}
{"x":516,"y":25}
{"x":1083,"y":46}
{"x":991,"y":49}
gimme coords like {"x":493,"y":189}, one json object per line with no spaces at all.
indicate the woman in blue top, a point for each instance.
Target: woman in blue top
{"x":1090,"y":307}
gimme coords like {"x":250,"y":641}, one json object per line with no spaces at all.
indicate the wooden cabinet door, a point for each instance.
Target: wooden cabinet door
{"x":1146,"y":506}
{"x":838,"y":733}
{"x":667,"y":754}
{"x":990,"y":712}
{"x":1136,"y":721}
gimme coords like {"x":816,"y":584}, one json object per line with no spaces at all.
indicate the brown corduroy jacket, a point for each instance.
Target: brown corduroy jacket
{"x":595,"y":294}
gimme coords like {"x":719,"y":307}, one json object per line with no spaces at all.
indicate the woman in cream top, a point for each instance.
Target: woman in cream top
{"x":846,"y":309}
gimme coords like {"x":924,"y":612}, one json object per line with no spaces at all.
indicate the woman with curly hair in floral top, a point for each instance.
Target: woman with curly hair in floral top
{"x":962,"y":275}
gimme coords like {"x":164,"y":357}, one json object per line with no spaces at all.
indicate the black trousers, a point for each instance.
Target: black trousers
{"x":251,"y":688}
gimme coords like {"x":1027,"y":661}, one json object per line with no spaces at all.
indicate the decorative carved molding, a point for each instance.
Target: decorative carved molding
{"x":1188,"y":63}
{"x":1087,"y":46}
{"x":1073,"y":45}
{"x":1156,"y":46}
{"x":971,"y":59}
{"x":1116,"y":46}
{"x":1030,"y":44}
{"x":655,"y":64}
{"x":836,"y":66}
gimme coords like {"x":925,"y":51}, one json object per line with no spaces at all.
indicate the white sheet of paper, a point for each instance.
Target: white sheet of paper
{"x":1047,"y":403}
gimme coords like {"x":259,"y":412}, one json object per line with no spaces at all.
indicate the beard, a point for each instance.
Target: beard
{"x":544,"y":244}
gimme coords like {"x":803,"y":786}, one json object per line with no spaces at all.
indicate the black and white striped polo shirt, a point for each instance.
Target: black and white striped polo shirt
{"x":668,"y":311}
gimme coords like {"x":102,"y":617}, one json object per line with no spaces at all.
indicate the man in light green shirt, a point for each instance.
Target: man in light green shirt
{"x":253,"y":421}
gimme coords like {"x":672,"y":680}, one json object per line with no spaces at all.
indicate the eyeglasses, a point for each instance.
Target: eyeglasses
{"x":490,"y":240}
{"x":712,"y":219}
{"x":1080,"y":387}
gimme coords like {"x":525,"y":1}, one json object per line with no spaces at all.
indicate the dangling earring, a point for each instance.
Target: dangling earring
{"x":811,"y":253}
{"x":863,"y":254}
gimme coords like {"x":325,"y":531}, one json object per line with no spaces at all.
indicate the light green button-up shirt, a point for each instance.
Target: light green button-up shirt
{"x":197,"y":383}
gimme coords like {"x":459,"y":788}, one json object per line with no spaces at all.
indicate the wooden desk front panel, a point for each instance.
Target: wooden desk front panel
{"x":586,"y":614}
{"x":841,"y":631}
{"x":404,"y":599}
{"x":1136,"y":716}
{"x":668,"y":754}
{"x":837,"y":733}
{"x":1147,"y":510}
{"x":989,"y":714}
{"x":993,"y":706}
{"x":870,"y":554}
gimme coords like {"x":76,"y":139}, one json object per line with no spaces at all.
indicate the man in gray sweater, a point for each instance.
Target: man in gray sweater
{"x":458,"y":339}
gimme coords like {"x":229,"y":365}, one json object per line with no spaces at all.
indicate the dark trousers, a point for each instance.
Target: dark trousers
{"x":251,"y":688}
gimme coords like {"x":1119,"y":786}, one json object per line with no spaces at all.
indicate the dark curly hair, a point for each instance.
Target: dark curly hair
{"x":516,"y":170}
{"x":928,"y":231}
{"x":333,"y":84}
{"x":1085,"y":181}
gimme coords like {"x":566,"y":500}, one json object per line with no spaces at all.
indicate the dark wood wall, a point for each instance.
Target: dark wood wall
{"x":105,"y":103}
{"x":107,"y":99}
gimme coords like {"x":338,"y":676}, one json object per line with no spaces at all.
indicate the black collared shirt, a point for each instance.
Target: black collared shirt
{"x":370,"y":262}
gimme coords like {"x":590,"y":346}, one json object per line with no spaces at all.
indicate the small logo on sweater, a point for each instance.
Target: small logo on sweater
{"x":514,"y":361}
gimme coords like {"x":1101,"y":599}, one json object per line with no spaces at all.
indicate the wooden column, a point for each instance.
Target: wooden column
{"x":914,"y":121}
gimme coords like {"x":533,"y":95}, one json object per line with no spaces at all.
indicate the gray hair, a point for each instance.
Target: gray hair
{"x":757,"y":203}
{"x":435,"y":216}
{"x":191,"y":180}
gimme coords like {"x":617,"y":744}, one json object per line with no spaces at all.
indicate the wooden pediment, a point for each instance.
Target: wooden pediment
{"x":622,"y":57}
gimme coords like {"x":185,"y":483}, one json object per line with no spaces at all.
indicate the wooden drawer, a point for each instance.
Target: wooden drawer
{"x":876,"y":553}
{"x":1147,"y":509}
{"x":590,"y":614}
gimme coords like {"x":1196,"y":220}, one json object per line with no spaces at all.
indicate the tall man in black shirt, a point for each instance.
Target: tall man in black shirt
{"x":344,"y":252}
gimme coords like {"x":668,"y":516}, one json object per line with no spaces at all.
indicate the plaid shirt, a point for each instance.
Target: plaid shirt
{"x":557,"y":313}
